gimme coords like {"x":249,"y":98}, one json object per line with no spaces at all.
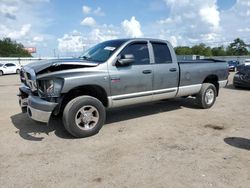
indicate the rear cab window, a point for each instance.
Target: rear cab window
{"x":162,"y":53}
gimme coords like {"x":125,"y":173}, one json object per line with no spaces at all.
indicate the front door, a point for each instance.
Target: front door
{"x":133,"y":83}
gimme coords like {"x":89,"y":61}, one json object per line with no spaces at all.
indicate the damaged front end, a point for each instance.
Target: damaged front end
{"x":39,"y":96}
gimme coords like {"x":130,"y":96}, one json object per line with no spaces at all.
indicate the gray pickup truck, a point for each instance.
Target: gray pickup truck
{"x":112,"y":74}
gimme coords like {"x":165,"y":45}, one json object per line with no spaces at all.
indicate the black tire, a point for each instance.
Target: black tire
{"x":72,"y":110}
{"x":18,"y":71}
{"x":1,"y":73}
{"x":202,"y":98}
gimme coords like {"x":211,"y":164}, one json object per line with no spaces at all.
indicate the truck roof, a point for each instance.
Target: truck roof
{"x":139,"y":39}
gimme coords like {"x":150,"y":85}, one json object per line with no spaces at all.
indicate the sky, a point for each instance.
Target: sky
{"x":67,"y":28}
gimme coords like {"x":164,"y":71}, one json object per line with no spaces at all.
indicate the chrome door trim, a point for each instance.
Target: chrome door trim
{"x":188,"y":90}
{"x":139,"y":97}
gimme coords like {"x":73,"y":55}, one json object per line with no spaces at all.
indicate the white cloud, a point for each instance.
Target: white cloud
{"x":86,"y":9}
{"x":98,"y":12}
{"x":211,"y":15}
{"x":132,"y":27}
{"x":201,"y":21}
{"x":20,"y":20}
{"x":38,"y":39}
{"x":77,"y":41}
{"x":72,"y":42}
{"x":18,"y":34}
{"x":8,"y":11}
{"x":235,"y":21}
{"x":190,"y":21}
{"x":88,"y":21}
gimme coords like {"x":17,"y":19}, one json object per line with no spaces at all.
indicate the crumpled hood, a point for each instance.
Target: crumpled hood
{"x":60,"y":64}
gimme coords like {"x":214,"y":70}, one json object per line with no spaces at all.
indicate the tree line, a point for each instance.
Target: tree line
{"x":10,"y":48}
{"x":237,"y":48}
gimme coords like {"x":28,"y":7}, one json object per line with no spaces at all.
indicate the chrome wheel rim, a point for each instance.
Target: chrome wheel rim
{"x":209,"y":96}
{"x":87,"y":117}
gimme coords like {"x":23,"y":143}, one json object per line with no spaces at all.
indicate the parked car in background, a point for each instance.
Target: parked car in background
{"x":247,"y":62}
{"x":232,"y":65}
{"x":242,"y":77}
{"x":9,"y":68}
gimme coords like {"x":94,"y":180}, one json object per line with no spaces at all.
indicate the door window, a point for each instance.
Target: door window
{"x":161,"y":53}
{"x":10,"y":65}
{"x":140,"y":52}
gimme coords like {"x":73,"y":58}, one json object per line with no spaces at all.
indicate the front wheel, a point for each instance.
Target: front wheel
{"x":1,"y":73}
{"x":207,"y":96}
{"x":84,"y":116}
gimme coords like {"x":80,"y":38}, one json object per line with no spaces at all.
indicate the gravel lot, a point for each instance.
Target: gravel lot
{"x":163,"y":144}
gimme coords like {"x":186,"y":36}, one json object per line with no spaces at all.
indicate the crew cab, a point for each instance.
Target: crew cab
{"x":113,"y":74}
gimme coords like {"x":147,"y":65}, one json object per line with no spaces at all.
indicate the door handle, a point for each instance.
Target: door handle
{"x":147,"y":72}
{"x":173,"y":70}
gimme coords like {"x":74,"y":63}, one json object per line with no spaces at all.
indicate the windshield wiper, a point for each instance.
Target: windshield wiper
{"x":86,"y":58}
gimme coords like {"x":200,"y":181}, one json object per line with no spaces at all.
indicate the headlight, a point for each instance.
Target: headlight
{"x":50,"y":88}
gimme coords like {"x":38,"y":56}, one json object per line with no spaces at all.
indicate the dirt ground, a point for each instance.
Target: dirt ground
{"x":164,"y":144}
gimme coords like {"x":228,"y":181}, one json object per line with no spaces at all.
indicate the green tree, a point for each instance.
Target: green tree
{"x":9,"y":48}
{"x":201,"y":49}
{"x":238,"y":47}
{"x":183,"y":50}
{"x":219,"y":51}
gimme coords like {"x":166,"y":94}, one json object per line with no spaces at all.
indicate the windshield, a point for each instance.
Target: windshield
{"x":232,"y":63}
{"x":101,"y":52}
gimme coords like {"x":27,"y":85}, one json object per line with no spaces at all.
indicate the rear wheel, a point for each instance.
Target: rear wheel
{"x":1,"y":73}
{"x":84,"y":116}
{"x":18,"y":71}
{"x":207,"y":96}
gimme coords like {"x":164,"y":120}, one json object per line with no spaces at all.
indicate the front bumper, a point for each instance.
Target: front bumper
{"x":36,"y":108}
{"x":40,"y":110}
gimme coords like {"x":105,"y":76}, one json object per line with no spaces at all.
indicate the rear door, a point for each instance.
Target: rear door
{"x":132,"y":84}
{"x":166,"y":72}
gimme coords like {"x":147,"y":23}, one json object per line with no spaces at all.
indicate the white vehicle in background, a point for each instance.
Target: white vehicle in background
{"x":9,"y":68}
{"x":247,"y":62}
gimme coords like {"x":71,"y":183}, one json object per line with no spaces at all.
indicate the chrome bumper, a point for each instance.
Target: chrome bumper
{"x":36,"y":108}
{"x":223,"y":83}
{"x":38,"y":115}
{"x":39,"y":109}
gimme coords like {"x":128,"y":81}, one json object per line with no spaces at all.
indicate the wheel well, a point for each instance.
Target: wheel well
{"x":213,"y":79}
{"x":90,"y":90}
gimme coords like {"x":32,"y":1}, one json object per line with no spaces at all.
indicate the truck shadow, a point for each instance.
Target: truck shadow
{"x":137,"y":111}
{"x":231,"y":86}
{"x":35,"y":131}
{"x":238,"y":142}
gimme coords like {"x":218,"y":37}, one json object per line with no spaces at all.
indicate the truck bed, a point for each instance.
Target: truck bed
{"x":193,"y":73}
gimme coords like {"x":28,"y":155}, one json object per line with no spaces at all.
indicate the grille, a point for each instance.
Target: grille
{"x":28,"y":79}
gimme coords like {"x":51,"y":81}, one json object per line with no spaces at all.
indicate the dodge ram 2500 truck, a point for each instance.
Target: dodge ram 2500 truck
{"x":112,"y":74}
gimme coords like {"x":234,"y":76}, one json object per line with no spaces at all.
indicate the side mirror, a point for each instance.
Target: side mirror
{"x":125,"y":60}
